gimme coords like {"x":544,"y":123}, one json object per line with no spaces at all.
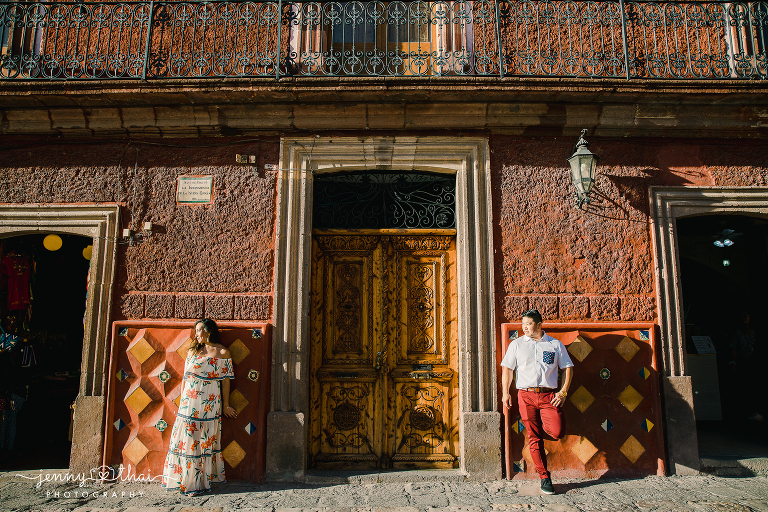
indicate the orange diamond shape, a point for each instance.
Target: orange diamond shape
{"x":627,"y":348}
{"x":584,"y":449}
{"x":630,"y":398}
{"x":582,"y":398}
{"x":233,"y":454}
{"x":141,"y":350}
{"x":580,"y":349}
{"x":632,"y":449}
{"x":135,"y":450}
{"x":239,"y":351}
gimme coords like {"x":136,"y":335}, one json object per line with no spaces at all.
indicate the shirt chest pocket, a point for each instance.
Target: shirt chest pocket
{"x":548,"y":357}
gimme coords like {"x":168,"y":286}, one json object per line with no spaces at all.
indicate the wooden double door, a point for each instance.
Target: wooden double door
{"x":384,"y":374}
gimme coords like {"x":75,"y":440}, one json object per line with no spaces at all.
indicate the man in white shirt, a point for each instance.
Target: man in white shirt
{"x":535,"y":359}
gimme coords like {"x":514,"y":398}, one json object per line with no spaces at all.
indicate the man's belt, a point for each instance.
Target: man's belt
{"x":538,"y":390}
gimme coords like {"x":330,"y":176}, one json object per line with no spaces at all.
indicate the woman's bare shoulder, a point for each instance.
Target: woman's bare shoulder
{"x":223,"y":352}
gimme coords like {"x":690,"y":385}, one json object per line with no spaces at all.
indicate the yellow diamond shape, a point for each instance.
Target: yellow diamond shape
{"x":138,"y":400}
{"x":141,"y":350}
{"x":584,"y":449}
{"x":182,"y":350}
{"x":135,"y":451}
{"x":237,"y":401}
{"x":239,"y":351}
{"x":627,"y":348}
{"x":177,"y":400}
{"x":632,"y":449}
{"x":630,"y":398}
{"x":233,"y":454}
{"x":582,"y":398}
{"x":580,"y":349}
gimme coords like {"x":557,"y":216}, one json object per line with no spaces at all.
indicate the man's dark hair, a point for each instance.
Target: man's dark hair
{"x":533,"y":315}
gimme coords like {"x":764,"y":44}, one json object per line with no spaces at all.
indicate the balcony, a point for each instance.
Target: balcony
{"x":145,"y":41}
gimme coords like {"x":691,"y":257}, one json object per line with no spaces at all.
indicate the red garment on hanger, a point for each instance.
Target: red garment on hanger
{"x":18,"y":270}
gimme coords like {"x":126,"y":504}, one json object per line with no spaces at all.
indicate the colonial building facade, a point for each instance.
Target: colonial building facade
{"x":366,"y":196}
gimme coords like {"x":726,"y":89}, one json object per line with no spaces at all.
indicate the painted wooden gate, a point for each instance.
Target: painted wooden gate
{"x":384,"y":390}
{"x":613,"y":410}
{"x":145,"y":380}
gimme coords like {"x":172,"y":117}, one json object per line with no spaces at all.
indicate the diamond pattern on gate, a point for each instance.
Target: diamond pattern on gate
{"x":613,"y":378}
{"x":145,"y":392}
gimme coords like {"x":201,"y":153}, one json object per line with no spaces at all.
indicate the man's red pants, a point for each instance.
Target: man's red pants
{"x":540,"y":417}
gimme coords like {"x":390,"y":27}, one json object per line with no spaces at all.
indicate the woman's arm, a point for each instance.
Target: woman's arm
{"x":229,"y":411}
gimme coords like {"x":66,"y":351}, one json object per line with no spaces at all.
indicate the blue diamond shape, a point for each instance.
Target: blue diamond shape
{"x":123,"y":332}
{"x":518,"y":466}
{"x":250,"y":428}
{"x":512,"y":335}
{"x":121,"y":375}
{"x":607,"y":425}
{"x":644,"y":336}
{"x":119,"y":424}
{"x":256,"y":333}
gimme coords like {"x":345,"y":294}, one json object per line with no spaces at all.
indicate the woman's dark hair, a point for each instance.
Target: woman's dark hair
{"x":211,"y":328}
{"x":533,"y":315}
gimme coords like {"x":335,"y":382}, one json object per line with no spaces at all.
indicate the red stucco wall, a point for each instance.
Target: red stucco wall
{"x":596,"y":264}
{"x":204,"y":260}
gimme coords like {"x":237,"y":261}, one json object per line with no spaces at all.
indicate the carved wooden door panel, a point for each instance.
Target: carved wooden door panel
{"x":384,"y":388}
{"x":422,"y":411}
{"x":345,"y":327}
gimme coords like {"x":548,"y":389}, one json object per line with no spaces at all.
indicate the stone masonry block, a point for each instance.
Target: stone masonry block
{"x":286,"y":433}
{"x":574,"y":307}
{"x":159,"y":305}
{"x":189,"y":306}
{"x":253,"y":307}
{"x":545,"y":304}
{"x":132,"y":305}
{"x":219,"y":307}
{"x":604,"y":307}
{"x":481,"y":445}
{"x":514,"y":306}
{"x":635,"y":309}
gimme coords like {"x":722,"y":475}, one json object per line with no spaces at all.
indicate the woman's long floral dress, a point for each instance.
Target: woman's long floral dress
{"x":194,"y":458}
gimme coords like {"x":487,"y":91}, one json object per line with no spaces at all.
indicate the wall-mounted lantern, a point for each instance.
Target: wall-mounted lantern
{"x":583,"y":163}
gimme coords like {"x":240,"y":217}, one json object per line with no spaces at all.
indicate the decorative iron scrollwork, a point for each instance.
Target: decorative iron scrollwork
{"x":381,"y":201}
{"x":346,"y":416}
{"x":347,"y":310}
{"x":421,"y":309}
{"x":346,"y":407}
{"x":422,"y":419}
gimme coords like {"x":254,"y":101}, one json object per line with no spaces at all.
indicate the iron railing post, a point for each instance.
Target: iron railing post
{"x":279,"y":38}
{"x":498,"y":39}
{"x":624,"y":37}
{"x":149,"y":39}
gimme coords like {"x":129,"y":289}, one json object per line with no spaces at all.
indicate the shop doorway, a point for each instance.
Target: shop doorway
{"x":43,"y":291}
{"x":724,"y":278}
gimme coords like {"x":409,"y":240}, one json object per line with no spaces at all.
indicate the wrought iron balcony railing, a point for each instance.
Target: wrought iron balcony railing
{"x":52,"y":40}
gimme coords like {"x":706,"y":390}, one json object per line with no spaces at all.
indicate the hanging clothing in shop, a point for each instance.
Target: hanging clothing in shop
{"x":7,"y":341}
{"x":8,"y":423}
{"x":18,"y":269}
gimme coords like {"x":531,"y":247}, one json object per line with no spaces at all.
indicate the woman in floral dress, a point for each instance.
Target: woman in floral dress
{"x":194,"y":458}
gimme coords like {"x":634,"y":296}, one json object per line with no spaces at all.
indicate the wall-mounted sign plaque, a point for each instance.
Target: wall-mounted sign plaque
{"x":194,"y":189}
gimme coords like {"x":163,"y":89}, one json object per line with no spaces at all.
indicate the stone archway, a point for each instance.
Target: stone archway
{"x":667,"y":205}
{"x":469,"y":159}
{"x":98,"y":222}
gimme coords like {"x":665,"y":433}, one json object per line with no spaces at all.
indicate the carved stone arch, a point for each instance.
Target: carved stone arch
{"x":301,"y":159}
{"x":98,"y":222}
{"x":668,"y":204}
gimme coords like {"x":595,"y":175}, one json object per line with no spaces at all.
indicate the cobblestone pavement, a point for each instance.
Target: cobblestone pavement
{"x":399,"y":492}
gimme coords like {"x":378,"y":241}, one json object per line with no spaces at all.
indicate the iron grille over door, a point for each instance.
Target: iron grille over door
{"x":385,"y":201}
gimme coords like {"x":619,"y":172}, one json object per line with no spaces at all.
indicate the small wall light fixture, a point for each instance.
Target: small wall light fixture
{"x":583,"y":164}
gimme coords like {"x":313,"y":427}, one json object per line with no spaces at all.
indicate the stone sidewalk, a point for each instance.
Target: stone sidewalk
{"x":416,"y":491}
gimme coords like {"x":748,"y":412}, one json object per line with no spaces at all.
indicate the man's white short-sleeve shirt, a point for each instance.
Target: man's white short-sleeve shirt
{"x":536,"y":362}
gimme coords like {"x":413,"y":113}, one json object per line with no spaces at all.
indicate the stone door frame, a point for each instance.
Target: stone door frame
{"x":667,"y":205}
{"x":301,"y":158}
{"x":99,"y":222}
